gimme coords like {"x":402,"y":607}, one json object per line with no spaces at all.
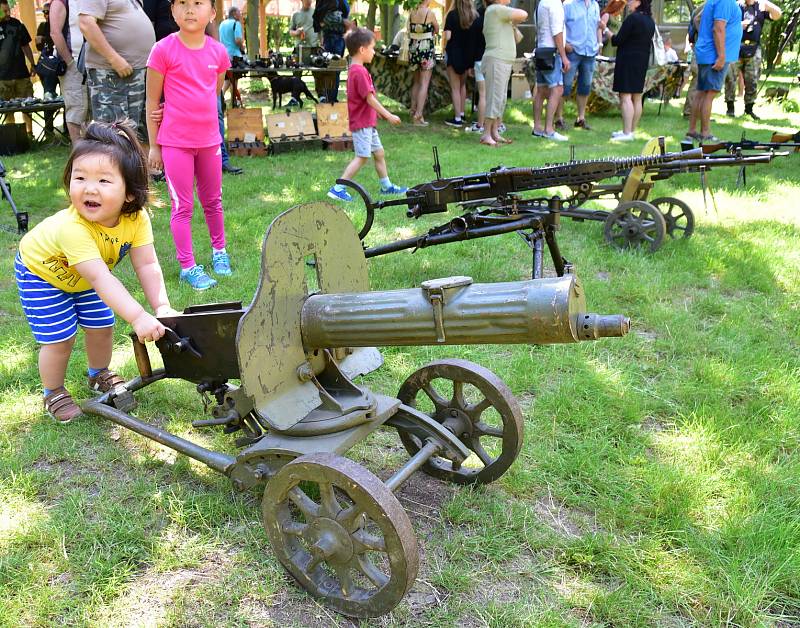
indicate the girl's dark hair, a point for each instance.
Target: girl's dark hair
{"x":645,"y":6}
{"x":118,"y":141}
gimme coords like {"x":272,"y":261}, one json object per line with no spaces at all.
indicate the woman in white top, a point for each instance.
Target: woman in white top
{"x":498,"y":59}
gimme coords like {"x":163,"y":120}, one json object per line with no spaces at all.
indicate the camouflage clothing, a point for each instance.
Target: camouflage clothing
{"x":394,"y":80}
{"x":114,"y":97}
{"x":751,"y":70}
{"x":687,"y":104}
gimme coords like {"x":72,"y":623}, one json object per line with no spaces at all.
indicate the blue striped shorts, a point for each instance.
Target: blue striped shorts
{"x":54,"y":315}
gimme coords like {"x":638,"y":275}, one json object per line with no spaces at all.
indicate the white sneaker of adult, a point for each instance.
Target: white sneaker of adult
{"x":617,"y":133}
{"x":623,"y":137}
{"x":556,"y":137}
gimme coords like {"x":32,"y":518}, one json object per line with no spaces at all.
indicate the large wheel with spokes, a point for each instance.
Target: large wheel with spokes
{"x":341,"y":533}
{"x":635,"y":224}
{"x":476,"y":406}
{"x":677,"y":214}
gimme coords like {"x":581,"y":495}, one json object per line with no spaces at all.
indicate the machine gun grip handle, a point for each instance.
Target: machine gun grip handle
{"x":179,"y":344}
{"x":369,"y":205}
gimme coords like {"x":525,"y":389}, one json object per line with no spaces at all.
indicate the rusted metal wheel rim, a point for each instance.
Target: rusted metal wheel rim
{"x":678,"y":216}
{"x":635,"y":224}
{"x":342,"y":534}
{"x":463,"y":417}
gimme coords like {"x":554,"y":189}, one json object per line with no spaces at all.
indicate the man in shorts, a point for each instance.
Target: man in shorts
{"x":120,"y":37}
{"x":550,"y":82}
{"x":718,"y":39}
{"x":15,"y":48}
{"x":67,"y":39}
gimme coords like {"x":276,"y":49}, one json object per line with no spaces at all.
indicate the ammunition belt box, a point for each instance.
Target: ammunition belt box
{"x":292,"y":131}
{"x":246,"y":132}
{"x":333,"y":126}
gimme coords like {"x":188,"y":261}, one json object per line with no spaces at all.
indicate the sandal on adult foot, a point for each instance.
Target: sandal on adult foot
{"x":60,"y":405}
{"x":491,"y":143}
{"x":503,"y":140}
{"x":104,"y":381}
{"x":420,"y":121}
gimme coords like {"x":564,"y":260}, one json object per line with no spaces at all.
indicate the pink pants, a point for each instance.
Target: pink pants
{"x":181,"y":167}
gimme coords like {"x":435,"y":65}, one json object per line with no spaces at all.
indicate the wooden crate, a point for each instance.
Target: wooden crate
{"x":246,"y":132}
{"x":520,"y":89}
{"x":333,"y":126}
{"x":291,"y":131}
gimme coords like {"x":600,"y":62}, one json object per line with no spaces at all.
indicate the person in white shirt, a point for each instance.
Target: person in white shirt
{"x":549,"y":70}
{"x":669,"y":51}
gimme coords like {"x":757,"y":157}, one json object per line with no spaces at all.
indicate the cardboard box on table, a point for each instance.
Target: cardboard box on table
{"x":333,"y":126}
{"x":291,"y":131}
{"x":246,"y":132}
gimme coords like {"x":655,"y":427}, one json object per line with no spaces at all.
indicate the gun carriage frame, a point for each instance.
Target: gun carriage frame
{"x":297,"y":349}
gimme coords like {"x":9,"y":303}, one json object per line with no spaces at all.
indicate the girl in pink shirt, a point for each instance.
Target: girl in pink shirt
{"x":187,"y":68}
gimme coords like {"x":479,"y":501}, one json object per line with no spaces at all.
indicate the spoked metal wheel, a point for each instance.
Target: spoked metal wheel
{"x":635,"y":224}
{"x":474,"y":404}
{"x":678,"y":216}
{"x":341,"y":533}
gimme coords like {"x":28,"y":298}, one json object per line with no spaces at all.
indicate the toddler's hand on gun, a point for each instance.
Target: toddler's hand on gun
{"x":147,"y":327}
{"x":166,"y":310}
{"x":393,"y":119}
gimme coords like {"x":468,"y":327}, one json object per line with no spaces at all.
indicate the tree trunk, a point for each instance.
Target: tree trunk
{"x":373,"y":8}
{"x":395,"y":24}
{"x":252,"y":28}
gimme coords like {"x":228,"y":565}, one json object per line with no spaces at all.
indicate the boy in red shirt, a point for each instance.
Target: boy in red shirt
{"x":363,"y":109}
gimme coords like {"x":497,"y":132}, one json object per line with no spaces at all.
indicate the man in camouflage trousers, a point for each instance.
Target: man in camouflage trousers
{"x":120,"y":36}
{"x":754,"y":13}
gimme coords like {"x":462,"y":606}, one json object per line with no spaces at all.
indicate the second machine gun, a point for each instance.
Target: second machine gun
{"x":496,"y":206}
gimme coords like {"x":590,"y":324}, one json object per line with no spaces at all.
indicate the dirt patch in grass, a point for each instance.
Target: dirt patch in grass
{"x":567,"y":522}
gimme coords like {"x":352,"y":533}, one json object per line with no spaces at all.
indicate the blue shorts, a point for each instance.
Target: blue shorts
{"x":554,"y":77}
{"x":54,"y":315}
{"x":584,"y":67}
{"x":710,"y":80}
{"x":366,"y":141}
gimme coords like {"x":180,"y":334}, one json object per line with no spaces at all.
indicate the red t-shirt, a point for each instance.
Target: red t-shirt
{"x":359,"y":86}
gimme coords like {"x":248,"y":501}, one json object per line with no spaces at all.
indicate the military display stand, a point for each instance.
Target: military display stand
{"x":246,"y":132}
{"x":333,"y":126}
{"x":297,"y":348}
{"x":290,"y":131}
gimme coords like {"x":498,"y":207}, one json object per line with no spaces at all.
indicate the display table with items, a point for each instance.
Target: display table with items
{"x":40,"y":111}
{"x":394,"y":80}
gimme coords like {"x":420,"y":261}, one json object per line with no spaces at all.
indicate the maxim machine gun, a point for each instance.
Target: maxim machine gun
{"x":296,"y":350}
{"x":497,"y":206}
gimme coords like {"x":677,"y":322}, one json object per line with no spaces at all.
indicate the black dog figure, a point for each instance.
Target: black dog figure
{"x":288,"y":85}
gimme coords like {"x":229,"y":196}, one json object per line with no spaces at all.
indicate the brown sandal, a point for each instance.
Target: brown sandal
{"x":104,"y":381}
{"x":61,"y":406}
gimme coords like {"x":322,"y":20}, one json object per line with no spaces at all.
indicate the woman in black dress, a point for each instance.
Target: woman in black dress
{"x":633,"y":43}
{"x":461,"y":33}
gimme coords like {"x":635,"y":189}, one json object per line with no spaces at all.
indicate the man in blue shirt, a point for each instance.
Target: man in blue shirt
{"x":230,"y":36}
{"x":718,"y":39}
{"x":584,"y":31}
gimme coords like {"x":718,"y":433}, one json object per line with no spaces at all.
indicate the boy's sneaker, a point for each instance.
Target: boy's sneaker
{"x":60,"y":405}
{"x":339,"y":195}
{"x":197,"y":278}
{"x":453,"y":122}
{"x":104,"y":381}
{"x":556,"y":137}
{"x":221,"y":264}
{"x":474,"y":128}
{"x":394,"y":189}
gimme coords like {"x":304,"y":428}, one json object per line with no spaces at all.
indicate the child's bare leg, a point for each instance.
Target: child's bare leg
{"x":53,"y":359}
{"x":380,"y":163}
{"x":353,"y":167}
{"x":99,"y":346}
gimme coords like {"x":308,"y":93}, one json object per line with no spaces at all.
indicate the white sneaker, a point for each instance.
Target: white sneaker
{"x":474,"y":128}
{"x":501,"y":128}
{"x":623,"y":137}
{"x":617,"y":133}
{"x":556,"y":137}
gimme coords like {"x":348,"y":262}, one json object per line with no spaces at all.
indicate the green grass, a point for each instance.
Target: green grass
{"x":657,"y":486}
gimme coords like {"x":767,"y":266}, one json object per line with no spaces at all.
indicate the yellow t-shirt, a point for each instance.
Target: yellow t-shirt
{"x":498,"y":31}
{"x":52,"y":247}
